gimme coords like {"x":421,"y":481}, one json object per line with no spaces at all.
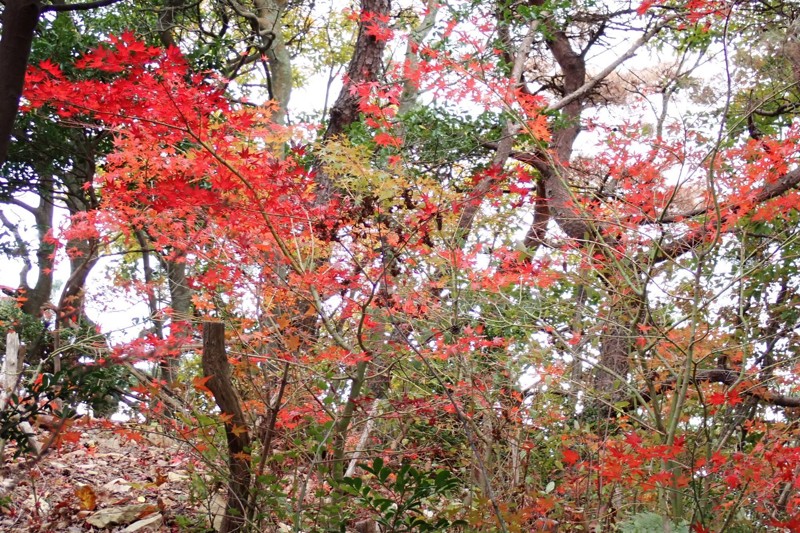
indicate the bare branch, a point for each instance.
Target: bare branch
{"x":79,"y":7}
{"x":728,"y":378}
{"x":788,"y":181}
{"x":590,"y":84}
{"x":21,"y":251}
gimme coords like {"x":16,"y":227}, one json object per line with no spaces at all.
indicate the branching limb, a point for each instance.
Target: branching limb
{"x":79,"y":7}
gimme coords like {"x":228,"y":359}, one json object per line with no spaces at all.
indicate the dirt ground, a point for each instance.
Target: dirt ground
{"x":105,"y":476}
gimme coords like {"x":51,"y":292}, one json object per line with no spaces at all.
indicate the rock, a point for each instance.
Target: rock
{"x":150,"y":523}
{"x":113,"y":455}
{"x":117,"y":515}
{"x":118,"y":485}
{"x":366,"y":526}
{"x":218,"y":508}
{"x":176,"y":476}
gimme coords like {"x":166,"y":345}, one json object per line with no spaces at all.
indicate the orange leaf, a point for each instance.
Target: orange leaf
{"x":69,"y":436}
{"x":716,"y":398}
{"x":87,"y":499}
{"x":147,"y":511}
{"x":129,"y":434}
{"x":293,"y":342}
{"x":200,"y":384}
{"x":384,"y":139}
{"x":239,"y":430}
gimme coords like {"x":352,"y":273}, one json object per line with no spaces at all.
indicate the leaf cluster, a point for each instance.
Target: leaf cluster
{"x":405,"y":499}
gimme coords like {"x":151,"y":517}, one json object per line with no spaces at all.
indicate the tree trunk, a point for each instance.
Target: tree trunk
{"x":366,"y":64}
{"x":278,"y":58}
{"x":181,"y":302}
{"x":19,"y":24}
{"x":82,"y":258}
{"x":11,"y":372}
{"x":216,"y":367}
{"x":39,"y":295}
{"x":610,"y":376}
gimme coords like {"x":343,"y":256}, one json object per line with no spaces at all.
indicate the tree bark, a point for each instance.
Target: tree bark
{"x":609,"y":377}
{"x":216,"y":367}
{"x":11,"y":372}
{"x":561,"y":200}
{"x":278,"y":58}
{"x":39,"y":295}
{"x":166,"y":22}
{"x":180,"y":296}
{"x":366,"y":64}
{"x":19,"y":24}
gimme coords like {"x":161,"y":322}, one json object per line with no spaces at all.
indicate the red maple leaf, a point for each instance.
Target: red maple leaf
{"x":570,"y":456}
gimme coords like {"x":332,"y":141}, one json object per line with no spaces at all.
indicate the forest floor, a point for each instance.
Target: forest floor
{"x":110,"y":477}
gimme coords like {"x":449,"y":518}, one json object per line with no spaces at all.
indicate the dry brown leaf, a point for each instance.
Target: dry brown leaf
{"x":161,"y":478}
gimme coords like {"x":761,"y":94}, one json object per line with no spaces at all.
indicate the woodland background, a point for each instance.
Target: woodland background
{"x":405,"y":266}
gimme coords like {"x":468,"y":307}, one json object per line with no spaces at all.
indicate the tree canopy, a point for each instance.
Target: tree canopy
{"x":464,"y":266}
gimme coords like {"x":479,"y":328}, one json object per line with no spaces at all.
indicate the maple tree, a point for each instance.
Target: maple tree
{"x":508,"y":282}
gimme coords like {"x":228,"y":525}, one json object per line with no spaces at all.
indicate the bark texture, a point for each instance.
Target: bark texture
{"x":180,"y":296}
{"x":19,"y":24}
{"x":366,"y":64}
{"x":217,"y":368}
